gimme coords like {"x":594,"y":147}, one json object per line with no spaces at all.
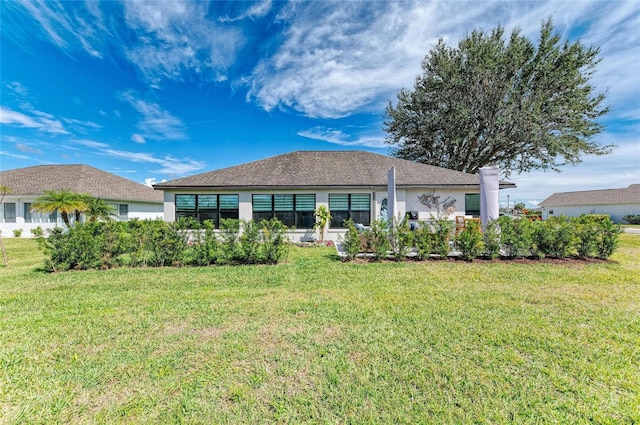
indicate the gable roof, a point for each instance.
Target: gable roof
{"x":326,"y":169}
{"x":628,"y":195}
{"x":76,"y":178}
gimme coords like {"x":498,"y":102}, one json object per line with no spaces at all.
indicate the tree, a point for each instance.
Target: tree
{"x":494,"y":102}
{"x":323,"y":217}
{"x":520,"y":206}
{"x":63,"y":201}
{"x":4,"y":191}
{"x":98,"y":209}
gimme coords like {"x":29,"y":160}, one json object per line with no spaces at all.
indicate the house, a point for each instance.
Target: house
{"x":352,"y":184}
{"x":617,"y":203}
{"x":130,"y":199}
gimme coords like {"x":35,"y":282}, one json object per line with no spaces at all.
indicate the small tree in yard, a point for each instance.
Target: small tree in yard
{"x":323,"y":217}
{"x":491,"y":101}
{"x":4,"y":190}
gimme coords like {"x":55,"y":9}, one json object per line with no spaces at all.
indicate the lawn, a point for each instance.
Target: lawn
{"x":314,"y":340}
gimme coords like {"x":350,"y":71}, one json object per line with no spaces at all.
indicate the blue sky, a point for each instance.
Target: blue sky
{"x":153,"y":91}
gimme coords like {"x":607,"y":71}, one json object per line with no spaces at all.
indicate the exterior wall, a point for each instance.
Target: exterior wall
{"x":138,"y":210}
{"x":615,"y":211}
{"x":407,"y":200}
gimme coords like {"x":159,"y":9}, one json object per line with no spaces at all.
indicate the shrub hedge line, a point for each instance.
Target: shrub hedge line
{"x":155,"y":243}
{"x":588,"y":236}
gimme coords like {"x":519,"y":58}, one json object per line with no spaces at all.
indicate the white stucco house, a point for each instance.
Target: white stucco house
{"x":617,"y":203}
{"x":352,"y":184}
{"x":130,"y":199}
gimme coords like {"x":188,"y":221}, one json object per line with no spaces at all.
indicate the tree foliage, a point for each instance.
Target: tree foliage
{"x":63,"y":201}
{"x":491,"y":101}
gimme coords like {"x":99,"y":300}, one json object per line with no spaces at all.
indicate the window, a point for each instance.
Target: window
{"x":472,"y":204}
{"x":28,"y":216}
{"x":123,"y":212}
{"x":207,"y":207}
{"x":292,"y":210}
{"x":344,"y":206}
{"x":9,"y":212}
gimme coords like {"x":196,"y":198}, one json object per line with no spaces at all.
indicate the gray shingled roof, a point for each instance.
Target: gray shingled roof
{"x":326,"y":169}
{"x":629,"y":195}
{"x":76,"y":178}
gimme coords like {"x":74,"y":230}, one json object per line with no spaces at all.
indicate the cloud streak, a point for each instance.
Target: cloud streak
{"x":155,"y":123}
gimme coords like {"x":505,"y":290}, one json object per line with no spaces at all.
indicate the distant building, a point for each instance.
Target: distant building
{"x":617,"y":203}
{"x":130,"y":199}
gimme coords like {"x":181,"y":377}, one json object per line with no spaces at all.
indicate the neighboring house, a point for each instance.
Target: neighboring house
{"x":352,"y":184}
{"x":130,"y":199}
{"x":615,"y":202}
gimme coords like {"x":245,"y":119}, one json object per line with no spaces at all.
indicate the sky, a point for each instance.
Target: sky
{"x":157,"y":90}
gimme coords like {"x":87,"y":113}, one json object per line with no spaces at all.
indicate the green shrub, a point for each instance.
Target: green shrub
{"x":377,"y":238}
{"x":586,"y":235}
{"x":274,"y":246}
{"x":37,"y":232}
{"x":443,"y":230}
{"x":608,"y":238}
{"x":250,"y":242}
{"x":400,"y":238}
{"x":632,"y":218}
{"x":515,"y":236}
{"x":423,"y":239}
{"x":553,"y":237}
{"x":351,"y":240}
{"x":469,"y":241}
{"x":17,"y":232}
{"x":230,"y":252}
{"x":491,"y":240}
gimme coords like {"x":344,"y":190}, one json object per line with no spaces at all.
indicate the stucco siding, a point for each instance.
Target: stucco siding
{"x":615,"y":211}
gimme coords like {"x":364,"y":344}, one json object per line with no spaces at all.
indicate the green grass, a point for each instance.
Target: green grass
{"x":316,"y":340}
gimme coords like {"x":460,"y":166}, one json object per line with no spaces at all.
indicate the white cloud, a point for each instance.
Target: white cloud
{"x":156,"y":123}
{"x":168,"y":163}
{"x":341,"y":58}
{"x":138,"y":138}
{"x":41,"y":121}
{"x":176,"y":36}
{"x":338,"y":137}
{"x":12,"y":155}
{"x":27,"y":149}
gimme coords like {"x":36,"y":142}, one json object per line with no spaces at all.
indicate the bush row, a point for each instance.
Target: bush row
{"x":587,"y":236}
{"x":155,"y":243}
{"x":632,"y":219}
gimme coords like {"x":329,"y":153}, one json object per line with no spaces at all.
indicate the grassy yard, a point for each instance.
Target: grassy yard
{"x":319,"y":341}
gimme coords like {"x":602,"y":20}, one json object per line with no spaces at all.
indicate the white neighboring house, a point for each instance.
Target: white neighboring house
{"x":352,"y":184}
{"x":130,"y":199}
{"x":617,"y":203}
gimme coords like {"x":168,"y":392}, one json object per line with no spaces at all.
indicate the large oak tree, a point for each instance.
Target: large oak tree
{"x":492,"y":101}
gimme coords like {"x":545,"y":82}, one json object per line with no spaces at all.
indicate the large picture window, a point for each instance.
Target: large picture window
{"x":9,"y":212}
{"x":292,"y":210}
{"x":207,"y":207}
{"x":355,"y":206}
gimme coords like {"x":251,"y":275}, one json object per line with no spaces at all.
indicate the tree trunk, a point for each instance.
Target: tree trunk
{"x":4,"y":252}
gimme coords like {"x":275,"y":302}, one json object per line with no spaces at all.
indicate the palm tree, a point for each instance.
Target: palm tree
{"x":99,"y":209}
{"x":63,"y":201}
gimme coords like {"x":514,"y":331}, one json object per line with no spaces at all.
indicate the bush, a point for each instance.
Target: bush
{"x":632,"y":219}
{"x":443,"y":230}
{"x":377,"y":238}
{"x":515,"y":236}
{"x":491,"y":240}
{"x":469,"y":241}
{"x":423,"y":239}
{"x":156,"y":243}
{"x":37,"y":232}
{"x":608,"y":238}
{"x":400,"y":238}
{"x":17,"y":232}
{"x":586,"y":235}
{"x":351,"y":240}
{"x":553,"y":237}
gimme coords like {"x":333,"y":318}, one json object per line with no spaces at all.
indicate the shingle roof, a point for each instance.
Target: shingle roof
{"x":76,"y":178}
{"x":326,"y":169}
{"x":628,"y":195}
